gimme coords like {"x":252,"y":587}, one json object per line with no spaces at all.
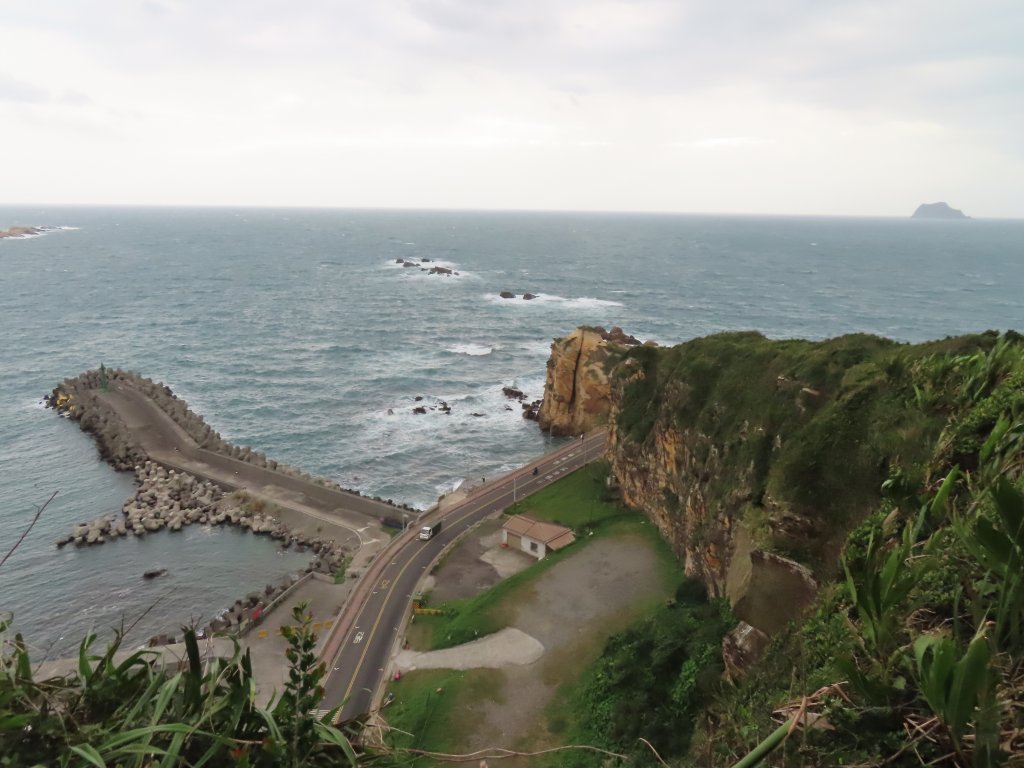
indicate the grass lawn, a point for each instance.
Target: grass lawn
{"x":576,"y":501}
{"x":436,"y":707}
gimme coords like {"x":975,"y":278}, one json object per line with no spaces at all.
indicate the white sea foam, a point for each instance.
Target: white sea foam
{"x":550,"y":300}
{"x":473,"y":350}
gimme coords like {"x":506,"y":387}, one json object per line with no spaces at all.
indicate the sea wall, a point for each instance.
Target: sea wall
{"x":77,"y":399}
{"x":170,"y":500}
{"x":166,"y":499}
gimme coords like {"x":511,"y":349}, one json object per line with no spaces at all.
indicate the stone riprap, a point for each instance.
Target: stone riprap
{"x":172,"y":500}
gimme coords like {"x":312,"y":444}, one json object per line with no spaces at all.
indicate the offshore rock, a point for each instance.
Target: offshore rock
{"x":938,"y":211}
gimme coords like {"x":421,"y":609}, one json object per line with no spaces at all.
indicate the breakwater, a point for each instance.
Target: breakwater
{"x":170,"y":499}
{"x":80,"y":399}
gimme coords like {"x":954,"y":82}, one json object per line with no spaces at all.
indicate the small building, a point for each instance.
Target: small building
{"x":535,"y":537}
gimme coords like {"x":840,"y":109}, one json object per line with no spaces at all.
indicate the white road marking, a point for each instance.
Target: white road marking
{"x":358,"y":639}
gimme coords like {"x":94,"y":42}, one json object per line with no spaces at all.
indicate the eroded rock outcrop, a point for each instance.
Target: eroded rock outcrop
{"x":577,"y":389}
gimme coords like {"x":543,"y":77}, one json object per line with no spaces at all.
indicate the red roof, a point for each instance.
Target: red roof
{"x":551,"y":535}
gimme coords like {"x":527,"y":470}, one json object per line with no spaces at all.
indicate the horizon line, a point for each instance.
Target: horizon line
{"x":427,"y":209}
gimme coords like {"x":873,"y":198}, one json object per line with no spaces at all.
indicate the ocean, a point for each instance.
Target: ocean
{"x":299,"y":333}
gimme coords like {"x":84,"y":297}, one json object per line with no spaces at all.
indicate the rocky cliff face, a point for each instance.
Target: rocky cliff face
{"x":678,"y":479}
{"x":577,"y":388}
{"x":753,"y":457}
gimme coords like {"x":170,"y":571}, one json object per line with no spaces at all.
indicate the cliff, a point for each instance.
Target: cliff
{"x":577,"y":389}
{"x":755,"y":458}
{"x":938,"y":211}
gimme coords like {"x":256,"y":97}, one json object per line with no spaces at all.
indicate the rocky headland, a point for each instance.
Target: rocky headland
{"x":577,"y":389}
{"x":754,"y":458}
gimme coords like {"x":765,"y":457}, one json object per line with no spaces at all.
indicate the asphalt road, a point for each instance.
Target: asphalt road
{"x":368,"y":630}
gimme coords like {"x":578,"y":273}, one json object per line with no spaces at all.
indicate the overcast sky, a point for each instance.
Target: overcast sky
{"x":741,"y":106}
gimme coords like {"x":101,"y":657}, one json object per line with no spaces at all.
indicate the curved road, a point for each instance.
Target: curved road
{"x":360,"y":645}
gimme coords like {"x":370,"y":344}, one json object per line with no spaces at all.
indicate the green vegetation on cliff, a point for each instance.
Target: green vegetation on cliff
{"x":650,"y":681}
{"x":903,"y":465}
{"x":806,"y":430}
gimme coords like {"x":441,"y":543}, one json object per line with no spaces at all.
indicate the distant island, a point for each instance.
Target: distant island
{"x":938,"y":211}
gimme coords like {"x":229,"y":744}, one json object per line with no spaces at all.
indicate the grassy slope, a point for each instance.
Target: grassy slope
{"x":436,"y":707}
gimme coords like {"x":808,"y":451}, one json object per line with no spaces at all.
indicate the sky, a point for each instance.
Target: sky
{"x":818,"y":107}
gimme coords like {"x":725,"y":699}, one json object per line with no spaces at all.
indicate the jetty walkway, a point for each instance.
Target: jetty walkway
{"x":351,"y":520}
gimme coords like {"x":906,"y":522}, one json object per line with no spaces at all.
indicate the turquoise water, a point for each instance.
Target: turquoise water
{"x":295,"y":332}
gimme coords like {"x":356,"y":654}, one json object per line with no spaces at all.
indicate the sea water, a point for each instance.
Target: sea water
{"x":299,"y":333}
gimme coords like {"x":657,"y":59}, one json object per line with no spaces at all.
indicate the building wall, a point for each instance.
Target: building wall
{"x":526,"y":544}
{"x":533,"y":547}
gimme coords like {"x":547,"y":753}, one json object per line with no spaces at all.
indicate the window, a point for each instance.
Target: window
{"x":533,"y":546}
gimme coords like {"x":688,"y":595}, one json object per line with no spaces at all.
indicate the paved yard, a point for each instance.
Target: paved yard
{"x":476,"y":565}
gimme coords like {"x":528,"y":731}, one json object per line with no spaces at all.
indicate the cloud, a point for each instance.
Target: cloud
{"x":20,"y":91}
{"x":729,"y":141}
{"x":599,"y":88}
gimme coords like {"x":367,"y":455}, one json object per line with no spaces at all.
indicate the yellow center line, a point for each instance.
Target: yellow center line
{"x":383,"y":605}
{"x":373,"y":631}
